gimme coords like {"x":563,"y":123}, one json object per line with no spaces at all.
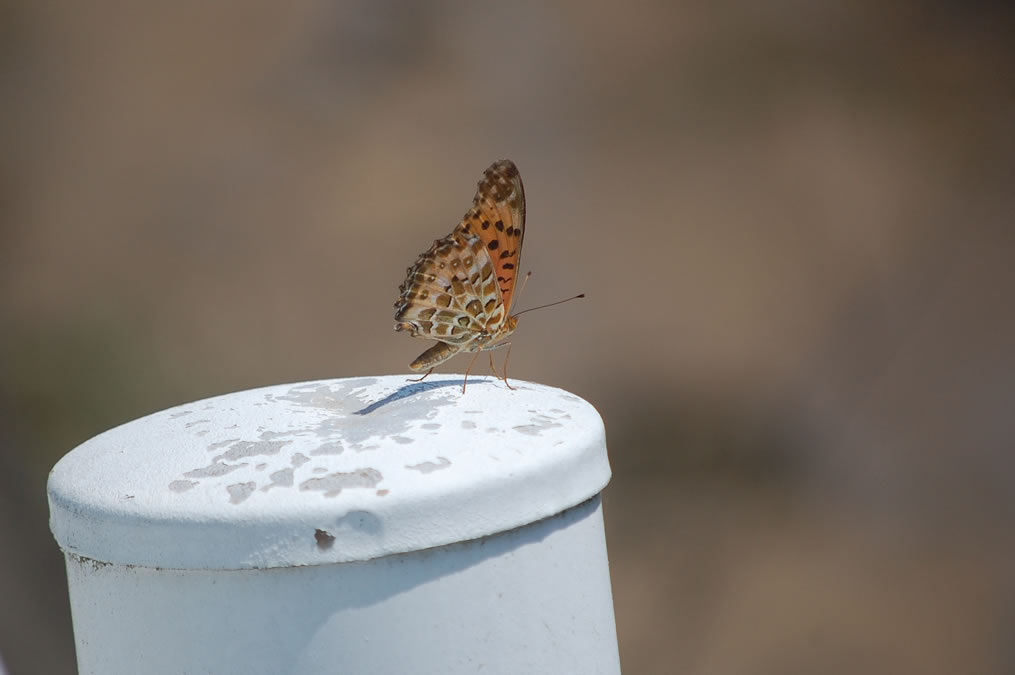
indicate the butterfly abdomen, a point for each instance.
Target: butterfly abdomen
{"x":436,"y":355}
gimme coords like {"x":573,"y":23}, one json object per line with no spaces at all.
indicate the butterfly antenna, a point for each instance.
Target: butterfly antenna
{"x":559,"y":302}
{"x":522,"y":287}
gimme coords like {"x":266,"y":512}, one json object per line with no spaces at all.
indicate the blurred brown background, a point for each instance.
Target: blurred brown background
{"x":793,"y":222}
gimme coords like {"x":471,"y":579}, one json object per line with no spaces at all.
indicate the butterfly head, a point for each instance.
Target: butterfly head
{"x":490,"y":339}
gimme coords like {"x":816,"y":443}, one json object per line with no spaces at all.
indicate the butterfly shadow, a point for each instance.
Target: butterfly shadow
{"x":414,"y":388}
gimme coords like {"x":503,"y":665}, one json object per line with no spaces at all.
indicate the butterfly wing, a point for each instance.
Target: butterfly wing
{"x":461,"y":287}
{"x":442,"y":297}
{"x":498,"y":217}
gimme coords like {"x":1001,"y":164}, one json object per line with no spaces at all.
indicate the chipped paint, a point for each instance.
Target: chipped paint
{"x":245,"y":449}
{"x":325,"y":539}
{"x":214,"y":469}
{"x":329,"y":448}
{"x":280,"y":478}
{"x":430,"y":467}
{"x":333,"y":484}
{"x":239,"y":492}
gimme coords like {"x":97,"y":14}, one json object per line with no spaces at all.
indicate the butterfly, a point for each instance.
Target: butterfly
{"x":459,"y":291}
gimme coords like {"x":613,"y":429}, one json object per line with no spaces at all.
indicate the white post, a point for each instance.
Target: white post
{"x":359,"y":526}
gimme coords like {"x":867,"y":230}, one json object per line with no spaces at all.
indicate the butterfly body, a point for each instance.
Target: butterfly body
{"x":459,"y":292}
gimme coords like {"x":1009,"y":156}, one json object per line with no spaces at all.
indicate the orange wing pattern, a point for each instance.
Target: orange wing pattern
{"x":498,"y":217}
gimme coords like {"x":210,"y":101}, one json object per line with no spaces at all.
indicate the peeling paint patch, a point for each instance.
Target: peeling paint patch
{"x":430,"y":426}
{"x":272,"y":435}
{"x":299,"y":459}
{"x":468,"y":424}
{"x":319,"y":469}
{"x":535,"y":429}
{"x":261,"y":467}
{"x":329,"y":448}
{"x":282,"y":478}
{"x":382,"y":493}
{"x":243,"y":449}
{"x":319,"y":396}
{"x":180,"y":414}
{"x":214,"y":469}
{"x":182,"y":485}
{"x":430,"y":467}
{"x":333,"y":484}
{"x":239,"y":492}
{"x":401,"y":439}
{"x":222,"y":444}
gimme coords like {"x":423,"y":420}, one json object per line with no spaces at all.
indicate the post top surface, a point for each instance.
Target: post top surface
{"x":326,"y":471}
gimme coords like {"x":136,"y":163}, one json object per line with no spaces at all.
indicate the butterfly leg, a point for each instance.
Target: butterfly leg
{"x":419,"y":379}
{"x":466,"y":379}
{"x":494,"y":369}
{"x":508,"y":356}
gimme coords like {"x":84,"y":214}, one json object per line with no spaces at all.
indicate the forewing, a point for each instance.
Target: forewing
{"x":497,"y":216}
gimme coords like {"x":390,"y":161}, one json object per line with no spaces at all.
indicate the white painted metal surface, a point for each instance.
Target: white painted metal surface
{"x":363,"y":525}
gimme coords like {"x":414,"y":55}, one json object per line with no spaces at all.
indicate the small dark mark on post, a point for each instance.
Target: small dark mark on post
{"x":325,"y":540}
